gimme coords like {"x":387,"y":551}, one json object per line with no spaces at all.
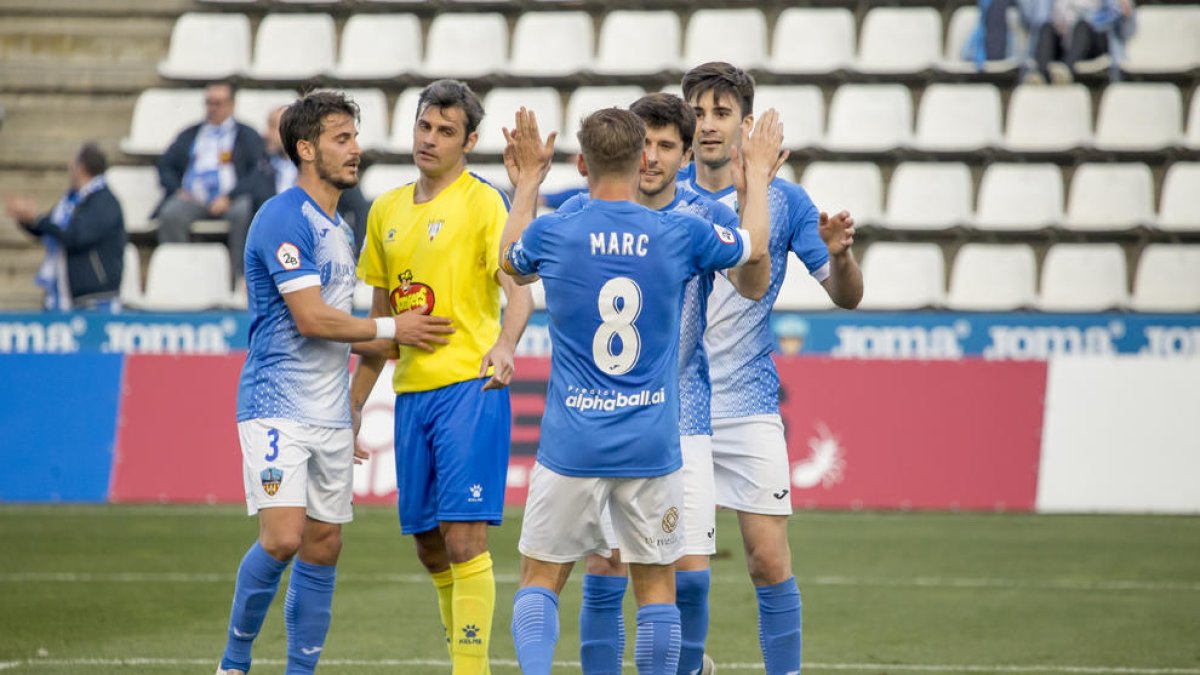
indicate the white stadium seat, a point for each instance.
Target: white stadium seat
{"x":207,"y":47}
{"x":801,"y":109}
{"x":552,"y":44}
{"x":1168,"y":279}
{"x":1140,"y":116}
{"x":1020,"y":197}
{"x":869,"y":118}
{"x":404,"y":118}
{"x":187,"y":277}
{"x":252,"y":106}
{"x":501,"y":106}
{"x":856,"y":187}
{"x":131,"y":276}
{"x":963,"y":23}
{"x":138,"y":191}
{"x":929,"y":196}
{"x":1193,"y":126}
{"x":1083,"y":278}
{"x":958,"y":118}
{"x":639,"y":43}
{"x":903,"y":276}
{"x":828,"y":44}
{"x":800,"y":291}
{"x":899,"y":40}
{"x":1049,"y":119}
{"x":496,"y":174}
{"x":708,"y":38}
{"x":379,"y":46}
{"x":379,"y":178}
{"x":563,"y":176}
{"x":993,"y":278}
{"x":158,"y":117}
{"x":294,"y":47}
{"x":1110,"y":197}
{"x":466,"y":45}
{"x":587,"y":100}
{"x":1179,"y":210}
{"x":1167,"y":40}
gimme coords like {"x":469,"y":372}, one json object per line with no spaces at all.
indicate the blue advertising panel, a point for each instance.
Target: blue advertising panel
{"x":58,"y":414}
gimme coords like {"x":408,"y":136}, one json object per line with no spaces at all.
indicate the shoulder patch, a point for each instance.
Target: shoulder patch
{"x":725,"y":234}
{"x":288,"y":255}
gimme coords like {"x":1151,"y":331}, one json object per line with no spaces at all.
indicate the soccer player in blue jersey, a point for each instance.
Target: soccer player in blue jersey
{"x":610,"y":434}
{"x":749,"y":452}
{"x":670,"y":126}
{"x":293,"y":407}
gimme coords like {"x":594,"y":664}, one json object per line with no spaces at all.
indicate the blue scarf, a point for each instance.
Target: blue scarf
{"x":52,"y":274}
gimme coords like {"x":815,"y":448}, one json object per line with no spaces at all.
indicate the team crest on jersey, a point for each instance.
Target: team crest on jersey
{"x":670,"y":520}
{"x":271,"y":478}
{"x":391,"y":234}
{"x":411,"y":296}
{"x":288,"y":255}
{"x":434,"y":226}
{"x":725,"y":234}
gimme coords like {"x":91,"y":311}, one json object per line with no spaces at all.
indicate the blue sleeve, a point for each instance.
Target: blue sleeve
{"x":723,"y":215}
{"x":577,"y":201}
{"x":525,"y":255}
{"x":284,"y":242}
{"x":804,"y":238}
{"x":713,"y":246}
{"x":555,"y":200}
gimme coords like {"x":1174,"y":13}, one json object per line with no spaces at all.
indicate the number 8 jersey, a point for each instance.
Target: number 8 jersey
{"x":614,"y":274}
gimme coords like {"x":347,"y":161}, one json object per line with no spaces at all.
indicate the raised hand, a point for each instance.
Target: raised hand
{"x":761,"y":152}
{"x":421,"y":331}
{"x":837,"y":232}
{"x":530,"y":155}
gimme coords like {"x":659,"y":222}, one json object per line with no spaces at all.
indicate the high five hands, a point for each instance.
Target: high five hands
{"x":526,"y":155}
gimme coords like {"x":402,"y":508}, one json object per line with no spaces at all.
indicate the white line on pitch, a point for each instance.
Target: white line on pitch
{"x":509,"y":663}
{"x":917,"y":582}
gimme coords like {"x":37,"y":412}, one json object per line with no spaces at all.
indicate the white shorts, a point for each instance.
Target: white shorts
{"x":699,"y":505}
{"x":750,"y":465}
{"x":286,"y":463}
{"x":564,"y":517}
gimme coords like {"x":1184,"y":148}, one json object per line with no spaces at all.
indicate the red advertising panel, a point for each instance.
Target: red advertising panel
{"x":913,"y":434}
{"x":177,"y":435}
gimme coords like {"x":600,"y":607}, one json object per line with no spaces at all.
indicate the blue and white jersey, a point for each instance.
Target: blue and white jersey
{"x":614,"y":274}
{"x":695,"y":415}
{"x":739,"y":339}
{"x":292,"y":245}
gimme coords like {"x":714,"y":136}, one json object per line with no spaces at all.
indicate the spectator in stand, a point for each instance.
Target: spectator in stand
{"x":276,"y":173}
{"x":206,"y":174}
{"x":1077,"y":30}
{"x":990,"y":41}
{"x":84,"y":236}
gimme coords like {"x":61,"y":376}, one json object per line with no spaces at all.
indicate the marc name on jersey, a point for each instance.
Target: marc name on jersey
{"x":624,"y":243}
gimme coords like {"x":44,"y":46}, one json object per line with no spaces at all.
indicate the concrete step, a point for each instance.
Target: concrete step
{"x":73,"y":53}
{"x":43,"y":131}
{"x":17,"y":269}
{"x":97,"y":8}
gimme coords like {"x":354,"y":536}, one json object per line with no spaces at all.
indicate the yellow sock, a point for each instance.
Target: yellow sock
{"x":444,"y":583}
{"x":474,"y":603}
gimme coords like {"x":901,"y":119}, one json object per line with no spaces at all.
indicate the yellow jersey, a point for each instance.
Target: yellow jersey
{"x":439,"y":258}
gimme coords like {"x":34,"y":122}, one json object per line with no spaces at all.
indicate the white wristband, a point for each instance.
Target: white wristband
{"x":385,"y":328}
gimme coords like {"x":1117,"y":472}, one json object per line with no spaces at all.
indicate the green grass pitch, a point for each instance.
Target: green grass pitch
{"x":146,"y":589}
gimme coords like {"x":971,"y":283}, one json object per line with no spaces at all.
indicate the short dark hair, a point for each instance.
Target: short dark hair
{"x":612,"y":141}
{"x":720,"y":78}
{"x":92,"y":159}
{"x":304,"y":119}
{"x":233,"y":86}
{"x":452,"y":94}
{"x":664,"y":110}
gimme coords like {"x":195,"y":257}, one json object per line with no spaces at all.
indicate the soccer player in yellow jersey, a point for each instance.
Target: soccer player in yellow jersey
{"x":431,"y":248}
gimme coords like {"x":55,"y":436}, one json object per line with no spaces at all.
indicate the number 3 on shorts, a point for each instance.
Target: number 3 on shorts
{"x":618,"y":323}
{"x":273,"y":436}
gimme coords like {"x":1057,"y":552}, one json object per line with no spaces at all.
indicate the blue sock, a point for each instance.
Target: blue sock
{"x":779,"y":626}
{"x":257,"y":581}
{"x":657,"y":649}
{"x":691,"y":597}
{"x":307,"y":611}
{"x":535,"y":629}
{"x":601,"y":624}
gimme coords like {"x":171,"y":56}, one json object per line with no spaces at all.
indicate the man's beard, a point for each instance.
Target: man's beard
{"x":329,"y":177}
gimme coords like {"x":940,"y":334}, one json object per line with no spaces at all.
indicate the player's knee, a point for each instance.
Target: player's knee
{"x":280,"y":545}
{"x":768,"y":565}
{"x":609,"y":567}
{"x":465,"y":542}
